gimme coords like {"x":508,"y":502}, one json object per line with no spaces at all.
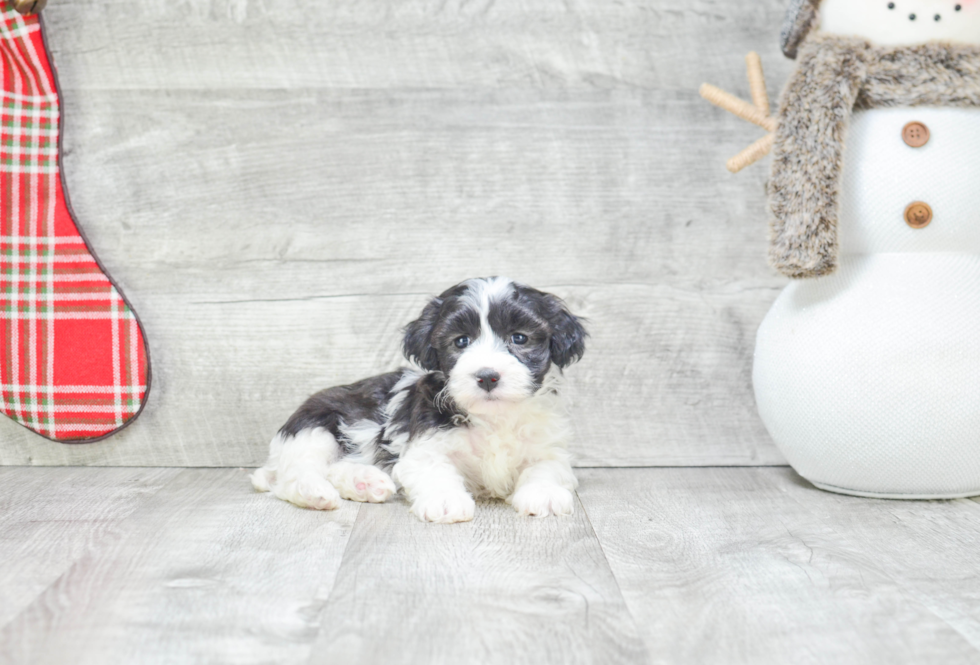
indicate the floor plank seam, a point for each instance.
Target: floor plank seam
{"x":343,"y":558}
{"x":93,"y":550}
{"x":612,"y":571}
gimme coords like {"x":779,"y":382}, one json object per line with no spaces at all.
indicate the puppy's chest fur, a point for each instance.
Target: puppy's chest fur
{"x":491,"y":452}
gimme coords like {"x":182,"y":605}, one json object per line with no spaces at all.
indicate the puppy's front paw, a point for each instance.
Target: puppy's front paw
{"x":543,"y":499}
{"x":444,"y":508}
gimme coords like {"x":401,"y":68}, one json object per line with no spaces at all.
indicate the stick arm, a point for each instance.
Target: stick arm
{"x":758,"y":112}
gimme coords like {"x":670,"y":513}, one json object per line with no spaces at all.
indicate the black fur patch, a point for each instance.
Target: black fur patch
{"x":332,"y":407}
{"x":420,"y":411}
{"x":567,"y":334}
{"x":519,"y":314}
{"x":419,"y":342}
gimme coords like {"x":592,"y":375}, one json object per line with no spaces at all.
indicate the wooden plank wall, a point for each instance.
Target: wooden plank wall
{"x":278,"y":185}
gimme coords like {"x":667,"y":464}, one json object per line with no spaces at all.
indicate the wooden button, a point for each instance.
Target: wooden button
{"x":915,"y":134}
{"x":918,"y":215}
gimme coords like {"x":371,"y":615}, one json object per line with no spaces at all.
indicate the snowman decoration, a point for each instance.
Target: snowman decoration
{"x":867,"y":367}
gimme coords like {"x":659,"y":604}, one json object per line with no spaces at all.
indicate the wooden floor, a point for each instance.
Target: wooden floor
{"x":682,"y":565}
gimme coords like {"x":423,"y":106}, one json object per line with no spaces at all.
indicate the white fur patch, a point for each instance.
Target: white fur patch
{"x":545,"y":489}
{"x":517,"y":454}
{"x":363,"y":436}
{"x":489,"y":352}
{"x":502,"y":445}
{"x":481,"y":292}
{"x":444,"y":508}
{"x":296,"y":470}
{"x":431,"y":482}
{"x":542,"y":499}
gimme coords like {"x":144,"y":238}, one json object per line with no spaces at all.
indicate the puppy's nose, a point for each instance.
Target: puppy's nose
{"x":487,"y":378}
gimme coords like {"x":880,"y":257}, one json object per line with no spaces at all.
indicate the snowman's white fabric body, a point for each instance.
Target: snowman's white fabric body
{"x":868,"y":378}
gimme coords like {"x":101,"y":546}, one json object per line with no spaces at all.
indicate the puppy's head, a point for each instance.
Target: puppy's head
{"x":495,"y":341}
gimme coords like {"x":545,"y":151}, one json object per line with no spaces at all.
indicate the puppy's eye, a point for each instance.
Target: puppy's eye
{"x":462,"y":342}
{"x":518,"y":338}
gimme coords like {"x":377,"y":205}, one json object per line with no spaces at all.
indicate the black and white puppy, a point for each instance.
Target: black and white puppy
{"x":480,"y":416}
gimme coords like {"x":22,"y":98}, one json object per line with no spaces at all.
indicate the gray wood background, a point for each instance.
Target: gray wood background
{"x":279,"y":184}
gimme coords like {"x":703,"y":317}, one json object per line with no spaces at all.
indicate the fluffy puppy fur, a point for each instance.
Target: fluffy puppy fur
{"x":479,"y":416}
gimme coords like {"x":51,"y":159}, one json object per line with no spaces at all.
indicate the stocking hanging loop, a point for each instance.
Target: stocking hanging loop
{"x":26,"y":7}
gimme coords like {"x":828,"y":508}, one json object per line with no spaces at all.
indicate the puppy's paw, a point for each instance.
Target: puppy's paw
{"x":543,"y":499}
{"x":263,"y":479}
{"x":445,"y":508}
{"x":314,"y":493}
{"x":361,"y":482}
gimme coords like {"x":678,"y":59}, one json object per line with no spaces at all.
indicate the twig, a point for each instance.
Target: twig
{"x":734,"y":105}
{"x":752,"y":154}
{"x":757,"y":82}
{"x":757,"y":113}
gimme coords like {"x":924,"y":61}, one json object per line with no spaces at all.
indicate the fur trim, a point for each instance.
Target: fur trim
{"x":800,"y":19}
{"x":814,"y":111}
{"x":836,"y":75}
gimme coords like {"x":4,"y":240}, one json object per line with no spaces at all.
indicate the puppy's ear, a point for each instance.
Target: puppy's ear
{"x":568,"y":338}
{"x":567,"y":332}
{"x":417,"y":344}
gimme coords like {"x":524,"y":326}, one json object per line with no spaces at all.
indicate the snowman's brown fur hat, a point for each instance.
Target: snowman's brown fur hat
{"x":800,"y":19}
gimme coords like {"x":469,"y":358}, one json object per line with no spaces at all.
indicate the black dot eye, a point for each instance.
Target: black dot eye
{"x":911,"y":17}
{"x":462,"y":342}
{"x":891,"y":5}
{"x":938,"y":17}
{"x":959,"y":7}
{"x":519,"y":338}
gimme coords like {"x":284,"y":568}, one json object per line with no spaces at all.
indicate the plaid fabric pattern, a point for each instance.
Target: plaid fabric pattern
{"x":73,"y":363}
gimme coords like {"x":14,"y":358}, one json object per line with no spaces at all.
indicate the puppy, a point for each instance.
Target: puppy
{"x":479,"y":417}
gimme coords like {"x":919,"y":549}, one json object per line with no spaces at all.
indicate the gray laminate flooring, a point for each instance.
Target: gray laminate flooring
{"x":658,"y":565}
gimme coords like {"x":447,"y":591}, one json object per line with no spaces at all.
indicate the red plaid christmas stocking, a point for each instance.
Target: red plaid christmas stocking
{"x":73,"y":360}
